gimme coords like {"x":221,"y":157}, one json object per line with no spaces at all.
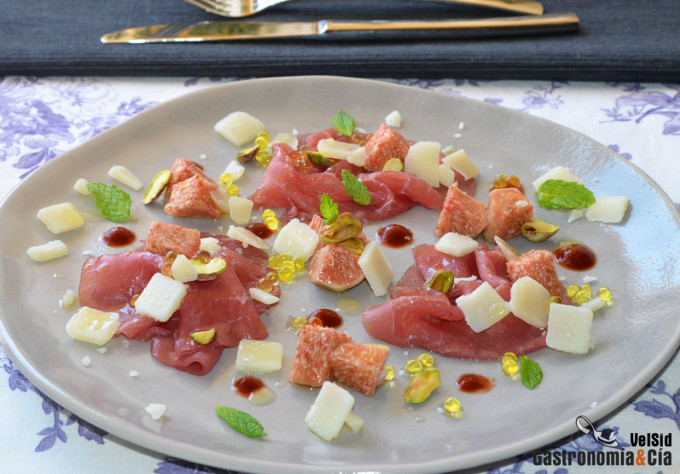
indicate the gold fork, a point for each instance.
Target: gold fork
{"x":241,"y":8}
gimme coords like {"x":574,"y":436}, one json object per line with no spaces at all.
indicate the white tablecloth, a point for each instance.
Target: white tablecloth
{"x":41,"y":118}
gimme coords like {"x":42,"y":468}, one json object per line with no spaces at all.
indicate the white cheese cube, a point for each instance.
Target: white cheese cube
{"x":575,"y":215}
{"x":459,"y":161}
{"x":329,"y":411}
{"x":125,"y":176}
{"x":161,"y":297}
{"x":446,"y":175}
{"x":331,"y":148}
{"x":81,"y":186}
{"x":569,"y":328}
{"x":297,"y":239}
{"x":609,"y":209}
{"x":558,"y":172}
{"x":93,"y":326}
{"x":529,"y":301}
{"x":357,"y":157}
{"x":239,"y":128}
{"x":393,"y":119}
{"x":240,"y":209}
{"x":483,"y":307}
{"x":61,"y":217}
{"x":50,"y":250}
{"x":247,"y":237}
{"x":262,"y":296}
{"x":155,"y":410}
{"x":594,"y":304}
{"x":259,"y":357}
{"x":235,"y":169}
{"x":210,"y":245}
{"x":183,"y":270}
{"x":354,"y":422}
{"x":376,"y":268}
{"x":287,"y":138}
{"x":422,"y":160}
{"x":456,"y":245}
{"x":69,"y":300}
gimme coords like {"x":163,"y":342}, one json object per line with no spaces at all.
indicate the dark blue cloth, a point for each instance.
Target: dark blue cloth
{"x":619,"y":41}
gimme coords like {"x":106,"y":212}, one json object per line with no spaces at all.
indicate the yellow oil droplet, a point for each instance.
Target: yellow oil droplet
{"x":285,"y":274}
{"x":509,"y":363}
{"x":262,"y":139}
{"x":273,"y":277}
{"x":299,"y":264}
{"x":605,"y":293}
{"x":413,"y":366}
{"x":275,"y":261}
{"x":555,"y":299}
{"x":272,"y":223}
{"x":232,"y":190}
{"x":587,"y":290}
{"x":389,"y":373}
{"x":226,"y":180}
{"x":426,"y":359}
{"x":349,"y":305}
{"x":265,"y":284}
{"x":286,"y":257}
{"x":572,"y":290}
{"x":452,"y":406}
{"x":299,"y":322}
{"x":267,"y":213}
{"x":288,"y":264}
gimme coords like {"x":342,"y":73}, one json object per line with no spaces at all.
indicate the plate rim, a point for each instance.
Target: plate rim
{"x":164,"y":445}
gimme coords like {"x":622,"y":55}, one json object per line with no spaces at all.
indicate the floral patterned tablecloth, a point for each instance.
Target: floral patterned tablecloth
{"x":41,"y":118}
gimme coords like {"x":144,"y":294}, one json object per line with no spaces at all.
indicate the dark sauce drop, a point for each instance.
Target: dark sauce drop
{"x":575,"y":256}
{"x":474,"y":383}
{"x":118,"y":237}
{"x":246,"y":386}
{"x":326,"y":318}
{"x":259,"y":229}
{"x":394,"y":235}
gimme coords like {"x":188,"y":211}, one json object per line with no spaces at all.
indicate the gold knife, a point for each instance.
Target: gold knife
{"x":230,"y":30}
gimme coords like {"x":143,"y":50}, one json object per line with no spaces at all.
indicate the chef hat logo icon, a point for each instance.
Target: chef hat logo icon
{"x":606,"y":437}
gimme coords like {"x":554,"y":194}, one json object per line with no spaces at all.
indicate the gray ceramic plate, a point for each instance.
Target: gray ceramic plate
{"x":638,"y":260}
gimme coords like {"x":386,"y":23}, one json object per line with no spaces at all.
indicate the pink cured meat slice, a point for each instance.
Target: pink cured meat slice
{"x":109,"y":282}
{"x":417,"y":322}
{"x":412,"y":319}
{"x":249,"y":263}
{"x":222,"y":304}
{"x":299,"y":191}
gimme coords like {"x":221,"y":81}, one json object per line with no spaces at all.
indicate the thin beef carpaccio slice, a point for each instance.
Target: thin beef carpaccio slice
{"x":222,"y":304}
{"x":249,"y":263}
{"x":419,"y":317}
{"x":299,"y":189}
{"x":109,"y":282}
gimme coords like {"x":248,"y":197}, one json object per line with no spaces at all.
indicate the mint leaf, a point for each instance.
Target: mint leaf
{"x":241,"y":422}
{"x":328,"y":208}
{"x":113,"y":202}
{"x":355,"y":188}
{"x":343,"y":123}
{"x":530,"y":372}
{"x":560,"y":194}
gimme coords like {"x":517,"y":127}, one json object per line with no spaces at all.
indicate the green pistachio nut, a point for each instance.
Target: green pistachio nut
{"x":538,"y":231}
{"x":441,"y":281}
{"x":422,"y":385}
{"x":343,"y":227}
